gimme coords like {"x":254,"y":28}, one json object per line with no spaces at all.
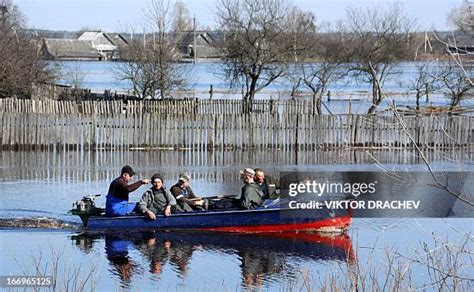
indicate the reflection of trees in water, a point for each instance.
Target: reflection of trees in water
{"x":105,"y":165}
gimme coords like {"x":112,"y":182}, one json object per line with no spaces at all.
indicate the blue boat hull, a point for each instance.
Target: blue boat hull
{"x":258,"y":220}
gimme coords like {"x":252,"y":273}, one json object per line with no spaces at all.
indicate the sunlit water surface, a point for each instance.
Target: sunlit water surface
{"x":44,"y":184}
{"x":100,"y":76}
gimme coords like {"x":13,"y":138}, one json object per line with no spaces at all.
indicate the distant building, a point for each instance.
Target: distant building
{"x":118,"y":39}
{"x":69,"y":49}
{"x":102,"y":43}
{"x":98,"y":45}
{"x":91,"y":45}
{"x":206,"y":44}
{"x":461,"y":43}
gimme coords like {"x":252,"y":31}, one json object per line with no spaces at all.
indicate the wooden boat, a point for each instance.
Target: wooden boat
{"x":269,"y":218}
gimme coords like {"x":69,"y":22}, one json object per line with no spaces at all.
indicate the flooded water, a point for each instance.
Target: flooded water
{"x":100,"y":76}
{"x":44,"y":184}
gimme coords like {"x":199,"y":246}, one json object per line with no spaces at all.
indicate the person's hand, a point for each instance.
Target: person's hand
{"x":151,"y":215}
{"x":168,"y":211}
{"x":199,"y":203}
{"x":145,"y":181}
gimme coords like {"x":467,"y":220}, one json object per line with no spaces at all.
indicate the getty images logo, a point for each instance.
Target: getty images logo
{"x":331,"y":188}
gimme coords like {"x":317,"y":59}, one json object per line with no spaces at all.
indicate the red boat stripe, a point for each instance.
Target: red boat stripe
{"x":341,"y":241}
{"x":338,"y":223}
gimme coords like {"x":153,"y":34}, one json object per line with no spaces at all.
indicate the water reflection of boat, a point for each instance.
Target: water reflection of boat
{"x":261,"y":256}
{"x":117,"y":250}
{"x":264,"y":219}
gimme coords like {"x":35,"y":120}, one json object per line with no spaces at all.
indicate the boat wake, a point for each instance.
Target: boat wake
{"x":38,"y":222}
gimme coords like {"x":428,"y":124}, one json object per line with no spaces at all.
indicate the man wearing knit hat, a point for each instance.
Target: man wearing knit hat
{"x":157,"y":200}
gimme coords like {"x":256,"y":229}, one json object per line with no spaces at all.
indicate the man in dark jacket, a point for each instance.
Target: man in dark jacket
{"x":117,"y":198}
{"x":251,"y":196}
{"x":267,"y":184}
{"x":157,"y":200}
{"x":185,"y":196}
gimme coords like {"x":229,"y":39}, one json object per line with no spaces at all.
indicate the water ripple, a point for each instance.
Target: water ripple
{"x":38,"y":222}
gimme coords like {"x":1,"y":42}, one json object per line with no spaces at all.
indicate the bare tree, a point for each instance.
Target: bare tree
{"x":181,"y":19}
{"x":317,"y":76}
{"x":10,"y":15}
{"x":300,"y":27}
{"x":424,"y":81}
{"x":152,"y":66}
{"x":75,"y":76}
{"x":256,"y":46}
{"x":376,"y":40}
{"x":455,"y":84}
{"x":462,"y":18}
{"x":20,"y":64}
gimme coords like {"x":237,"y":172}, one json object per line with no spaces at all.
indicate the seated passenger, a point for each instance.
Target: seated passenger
{"x":185,"y":196}
{"x":267,"y":184}
{"x":157,"y":200}
{"x":251,"y":196}
{"x":117,"y":198}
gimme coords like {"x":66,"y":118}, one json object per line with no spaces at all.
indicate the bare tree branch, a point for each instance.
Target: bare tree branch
{"x":376,"y":40}
{"x":152,"y":66}
{"x":20,"y":66}
{"x":258,"y":44}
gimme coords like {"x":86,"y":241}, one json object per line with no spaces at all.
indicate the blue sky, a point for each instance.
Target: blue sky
{"x":123,"y":15}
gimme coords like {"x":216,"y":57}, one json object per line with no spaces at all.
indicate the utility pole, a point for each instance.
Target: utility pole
{"x":194,"y":39}
{"x":427,"y":42}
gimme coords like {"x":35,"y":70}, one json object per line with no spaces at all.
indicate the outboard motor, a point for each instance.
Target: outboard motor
{"x":86,"y":205}
{"x":85,"y":208}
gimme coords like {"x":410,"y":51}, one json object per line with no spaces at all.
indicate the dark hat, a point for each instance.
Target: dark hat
{"x":128,"y":169}
{"x":155,"y":176}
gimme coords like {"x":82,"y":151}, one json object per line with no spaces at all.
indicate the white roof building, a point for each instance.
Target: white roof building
{"x":101,"y":42}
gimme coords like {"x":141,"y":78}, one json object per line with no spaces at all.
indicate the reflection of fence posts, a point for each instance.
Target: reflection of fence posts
{"x":427,"y":91}
{"x":204,"y":124}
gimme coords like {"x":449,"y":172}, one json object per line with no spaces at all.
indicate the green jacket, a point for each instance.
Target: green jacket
{"x":251,"y":197}
{"x":156,"y":201}
{"x":269,"y":187}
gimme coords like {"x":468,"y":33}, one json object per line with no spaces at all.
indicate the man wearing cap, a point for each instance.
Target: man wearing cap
{"x":117,"y":198}
{"x":251,"y":196}
{"x":185,"y":196}
{"x":157,"y":200}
